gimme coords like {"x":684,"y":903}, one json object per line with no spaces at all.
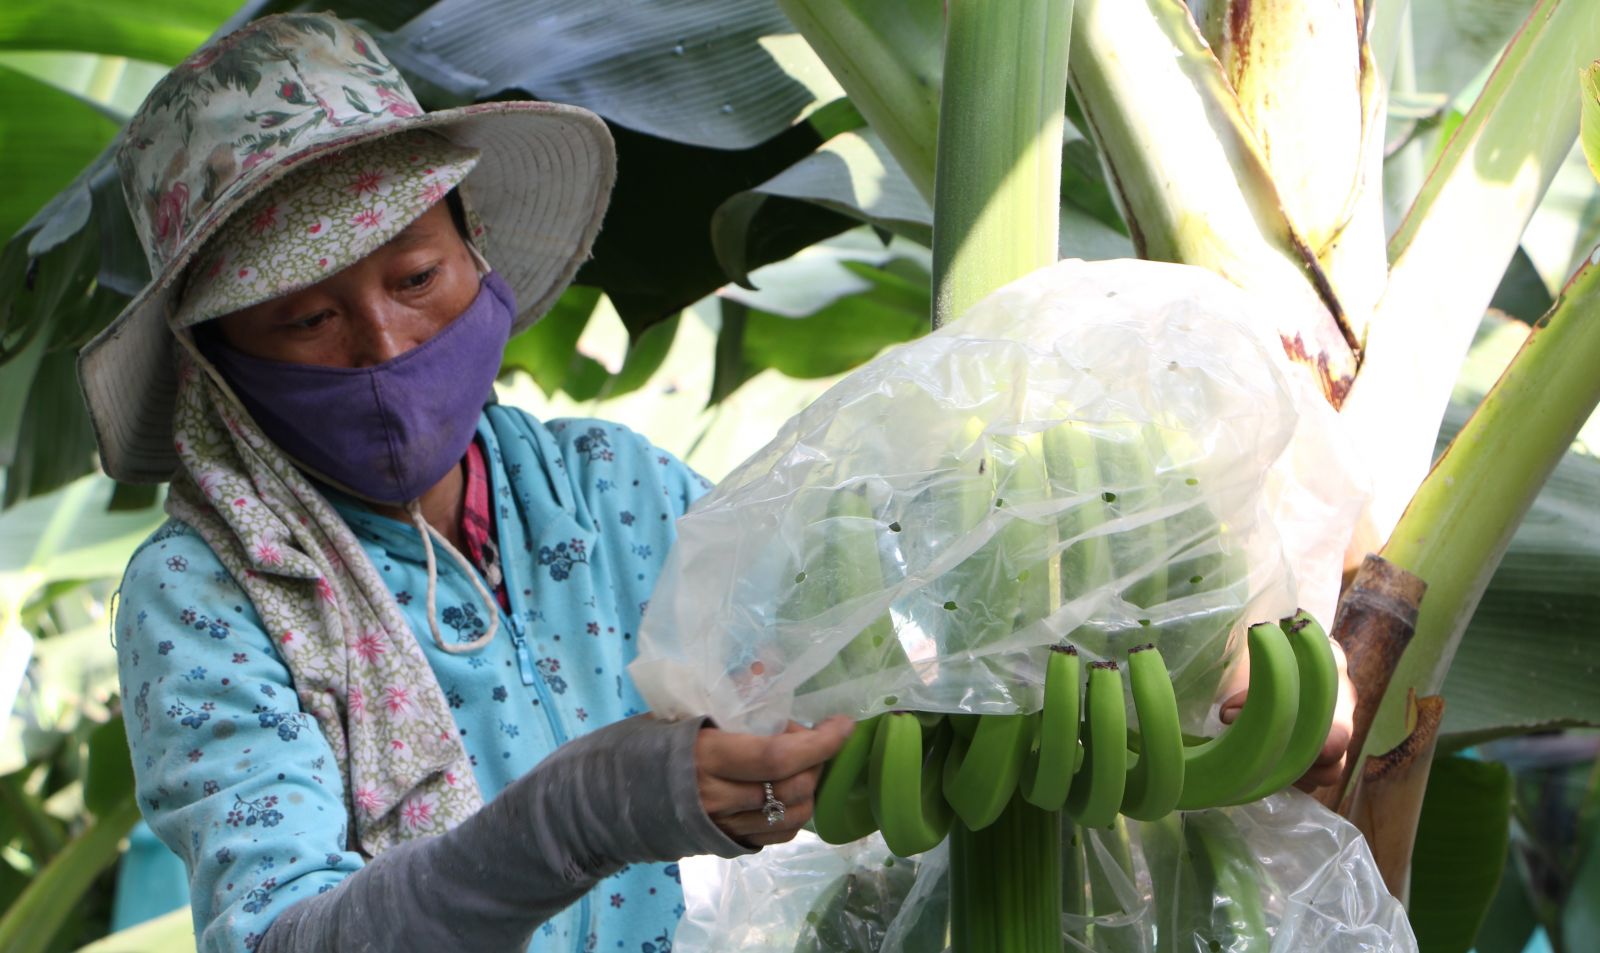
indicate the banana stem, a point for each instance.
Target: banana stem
{"x":997,"y":174}
{"x":1005,"y":892}
{"x":1457,"y":527}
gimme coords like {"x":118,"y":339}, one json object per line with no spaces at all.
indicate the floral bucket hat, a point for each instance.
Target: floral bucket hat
{"x":203,"y":153}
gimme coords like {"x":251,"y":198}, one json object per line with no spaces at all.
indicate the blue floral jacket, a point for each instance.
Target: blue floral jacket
{"x":240,"y":783}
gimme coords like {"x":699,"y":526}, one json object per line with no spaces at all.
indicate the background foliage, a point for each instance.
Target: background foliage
{"x":761,"y":241}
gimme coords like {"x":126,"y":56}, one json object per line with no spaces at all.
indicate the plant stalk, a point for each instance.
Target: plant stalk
{"x":996,"y":211}
{"x":1452,"y":247}
{"x":1461,"y":519}
{"x":886,"y":56}
{"x":1193,"y":184}
{"x":998,"y":171}
{"x":1005,"y":883}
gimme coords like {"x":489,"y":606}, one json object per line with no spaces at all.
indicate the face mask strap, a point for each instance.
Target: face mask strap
{"x":492,"y":608}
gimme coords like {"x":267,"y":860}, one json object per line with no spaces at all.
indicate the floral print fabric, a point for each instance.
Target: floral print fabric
{"x":357,"y":669}
{"x":294,"y":79}
{"x":239,"y":778}
{"x":325,"y":215}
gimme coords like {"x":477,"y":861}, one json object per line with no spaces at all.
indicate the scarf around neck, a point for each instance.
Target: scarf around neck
{"x":355,"y":663}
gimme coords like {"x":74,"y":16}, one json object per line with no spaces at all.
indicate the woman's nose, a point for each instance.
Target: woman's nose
{"x":381,"y":334}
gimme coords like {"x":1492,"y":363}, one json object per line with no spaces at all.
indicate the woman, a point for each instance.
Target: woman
{"x":366,"y":661}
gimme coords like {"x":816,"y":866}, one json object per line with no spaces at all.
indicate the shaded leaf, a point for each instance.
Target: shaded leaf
{"x":730,"y":369}
{"x":55,"y":444}
{"x":1522,"y":293}
{"x":722,"y":73}
{"x":1460,"y":851}
{"x":1509,"y":921}
{"x":587,"y":379}
{"x":654,"y":256}
{"x":109,"y":778}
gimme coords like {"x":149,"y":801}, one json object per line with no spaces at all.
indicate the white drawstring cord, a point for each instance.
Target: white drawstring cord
{"x":414,"y":510}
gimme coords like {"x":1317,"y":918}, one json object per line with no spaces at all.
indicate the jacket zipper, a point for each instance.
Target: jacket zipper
{"x":519,"y":639}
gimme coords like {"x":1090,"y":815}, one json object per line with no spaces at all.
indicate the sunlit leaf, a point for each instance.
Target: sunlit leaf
{"x":1589,"y":116}
{"x":170,"y":933}
{"x":67,"y":535}
{"x":162,"y":32}
{"x":545,"y":351}
{"x":844,"y":334}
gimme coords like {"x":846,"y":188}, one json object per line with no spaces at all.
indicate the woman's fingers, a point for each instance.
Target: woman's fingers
{"x":737,"y":757}
{"x":721,"y":797}
{"x":732,"y":769}
{"x":749,"y":825}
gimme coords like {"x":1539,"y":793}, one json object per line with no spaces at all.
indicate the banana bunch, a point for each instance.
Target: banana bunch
{"x":913,"y":774}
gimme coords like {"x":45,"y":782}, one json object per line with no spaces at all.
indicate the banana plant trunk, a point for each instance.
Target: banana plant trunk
{"x":997,"y":174}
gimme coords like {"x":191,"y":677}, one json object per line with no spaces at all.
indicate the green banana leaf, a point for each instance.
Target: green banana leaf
{"x":854,"y":174}
{"x":66,"y":536}
{"x":723,"y":73}
{"x":171,"y":933}
{"x":1459,"y":853}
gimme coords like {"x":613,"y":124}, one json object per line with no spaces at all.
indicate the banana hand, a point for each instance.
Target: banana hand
{"x":1097,"y":788}
{"x":1155,"y":780}
{"x":903,"y":782}
{"x":1047,"y":773}
{"x":981,"y":775}
{"x":1236,"y":760}
{"x":1319,"y":695}
{"x":843,"y":811}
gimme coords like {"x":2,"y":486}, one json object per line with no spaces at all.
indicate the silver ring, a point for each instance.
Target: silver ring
{"x":773,"y":808}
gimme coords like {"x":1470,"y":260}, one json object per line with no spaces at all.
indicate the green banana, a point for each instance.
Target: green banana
{"x":1028,"y":544}
{"x":1236,"y":760}
{"x":1155,"y":780}
{"x":847,"y":567}
{"x":842,"y":811}
{"x":1133,"y":467}
{"x":1096,"y":793}
{"x":903,"y":782}
{"x":1074,"y":471}
{"x":1319,"y":695}
{"x":1237,"y":883}
{"x":981,"y":775}
{"x":1047,"y":773}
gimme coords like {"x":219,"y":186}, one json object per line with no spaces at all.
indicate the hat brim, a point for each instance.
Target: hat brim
{"x":540,"y":187}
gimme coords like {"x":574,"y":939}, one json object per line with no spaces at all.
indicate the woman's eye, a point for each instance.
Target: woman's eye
{"x":310,"y":321}
{"x":420,"y":279}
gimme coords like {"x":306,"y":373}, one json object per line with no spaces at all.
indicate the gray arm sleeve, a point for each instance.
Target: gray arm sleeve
{"x":626,"y":793}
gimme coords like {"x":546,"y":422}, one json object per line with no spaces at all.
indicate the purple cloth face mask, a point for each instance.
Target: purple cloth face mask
{"x":387,"y":432}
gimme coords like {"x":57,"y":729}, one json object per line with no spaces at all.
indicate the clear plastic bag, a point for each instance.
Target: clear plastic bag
{"x":1283,"y":875}
{"x":912,"y":540}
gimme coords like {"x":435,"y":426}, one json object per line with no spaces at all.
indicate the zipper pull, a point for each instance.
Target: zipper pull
{"x":525,"y":662}
{"x":519,"y":639}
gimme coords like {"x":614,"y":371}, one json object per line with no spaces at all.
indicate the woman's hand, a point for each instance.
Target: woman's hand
{"x":732,"y":768}
{"x":1330,"y":762}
